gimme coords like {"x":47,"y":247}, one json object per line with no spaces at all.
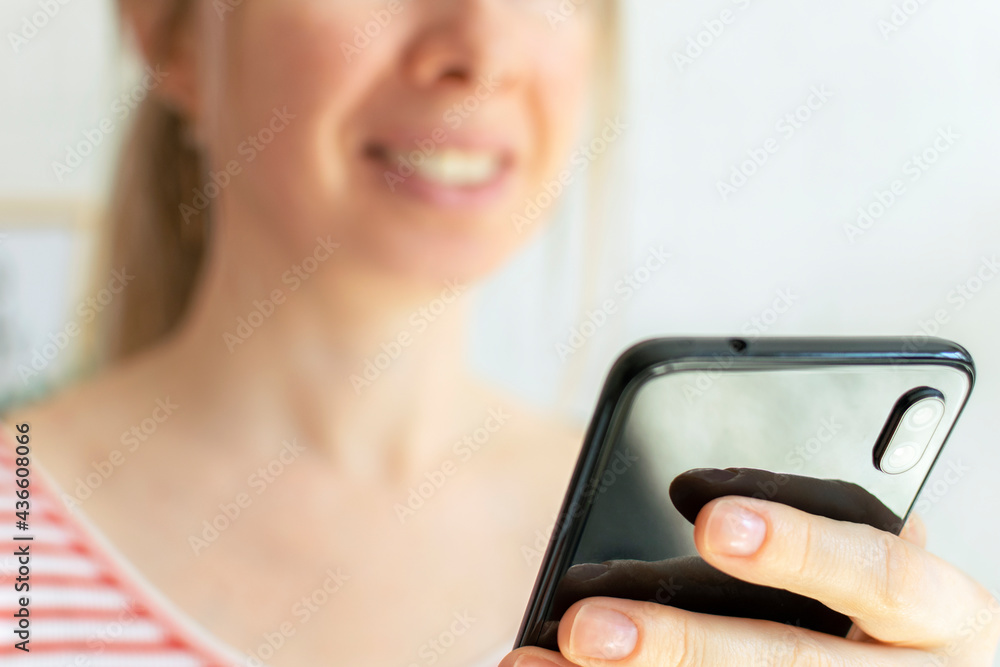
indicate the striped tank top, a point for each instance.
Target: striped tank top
{"x":67,"y":599}
{"x":71,"y":600}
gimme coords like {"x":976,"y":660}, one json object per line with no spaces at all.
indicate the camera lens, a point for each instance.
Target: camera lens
{"x":903,"y":457}
{"x":924,"y":414}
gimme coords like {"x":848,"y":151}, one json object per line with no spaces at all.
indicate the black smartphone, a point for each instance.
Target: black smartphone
{"x":847,"y":428}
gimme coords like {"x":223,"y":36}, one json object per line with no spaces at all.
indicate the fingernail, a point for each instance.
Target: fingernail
{"x":734,"y":530}
{"x":602,"y":633}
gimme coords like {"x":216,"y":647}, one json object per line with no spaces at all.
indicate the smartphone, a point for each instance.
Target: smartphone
{"x":847,"y":428}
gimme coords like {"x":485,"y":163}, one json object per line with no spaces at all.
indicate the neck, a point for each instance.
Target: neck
{"x":364,"y":366}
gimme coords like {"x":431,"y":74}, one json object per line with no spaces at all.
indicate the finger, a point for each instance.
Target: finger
{"x":893,"y":590}
{"x":602,"y":631}
{"x":534,"y":657}
{"x":915,"y":531}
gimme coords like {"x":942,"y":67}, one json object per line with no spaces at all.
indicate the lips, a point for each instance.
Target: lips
{"x":449,"y":172}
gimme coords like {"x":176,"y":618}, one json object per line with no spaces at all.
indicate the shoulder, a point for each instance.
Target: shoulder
{"x":64,"y":576}
{"x":79,"y":423}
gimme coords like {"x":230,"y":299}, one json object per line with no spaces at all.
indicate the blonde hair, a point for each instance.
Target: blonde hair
{"x":159,"y":169}
{"x":157,"y":172}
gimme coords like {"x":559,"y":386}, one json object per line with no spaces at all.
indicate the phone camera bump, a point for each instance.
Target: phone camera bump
{"x":908,"y":432}
{"x":925,"y":414}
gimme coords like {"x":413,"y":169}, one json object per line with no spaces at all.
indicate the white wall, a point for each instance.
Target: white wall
{"x":62,"y":82}
{"x":59,"y":82}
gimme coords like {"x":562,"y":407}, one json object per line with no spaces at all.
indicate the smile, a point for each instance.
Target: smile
{"x":443,"y":174}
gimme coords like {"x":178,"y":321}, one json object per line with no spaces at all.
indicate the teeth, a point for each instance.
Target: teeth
{"x":454,"y":167}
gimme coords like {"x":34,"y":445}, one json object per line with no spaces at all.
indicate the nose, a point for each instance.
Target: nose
{"x":461,"y":41}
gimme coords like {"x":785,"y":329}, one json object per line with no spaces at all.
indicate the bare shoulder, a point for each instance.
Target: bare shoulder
{"x":82,"y":422}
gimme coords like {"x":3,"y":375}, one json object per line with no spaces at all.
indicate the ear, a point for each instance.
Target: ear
{"x":164,"y":34}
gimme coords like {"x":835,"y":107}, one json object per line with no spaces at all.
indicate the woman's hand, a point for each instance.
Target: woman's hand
{"x":909,"y":607}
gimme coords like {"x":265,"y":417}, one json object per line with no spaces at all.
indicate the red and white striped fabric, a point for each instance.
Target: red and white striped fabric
{"x":87,"y":607}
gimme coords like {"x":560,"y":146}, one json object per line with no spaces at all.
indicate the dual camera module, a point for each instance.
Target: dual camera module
{"x":909,"y":430}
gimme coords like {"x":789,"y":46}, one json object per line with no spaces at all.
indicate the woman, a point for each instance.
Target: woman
{"x":294,"y":446}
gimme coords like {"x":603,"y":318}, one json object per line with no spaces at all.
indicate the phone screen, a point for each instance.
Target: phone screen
{"x":806,"y":436}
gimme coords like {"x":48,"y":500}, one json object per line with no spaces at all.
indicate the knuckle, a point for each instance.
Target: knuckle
{"x":797,"y":649}
{"x":675,"y":640}
{"x":810,"y":658}
{"x":896,"y":575}
{"x":802,"y":564}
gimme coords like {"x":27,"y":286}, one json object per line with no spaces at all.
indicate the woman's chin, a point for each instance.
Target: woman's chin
{"x":440,"y":255}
